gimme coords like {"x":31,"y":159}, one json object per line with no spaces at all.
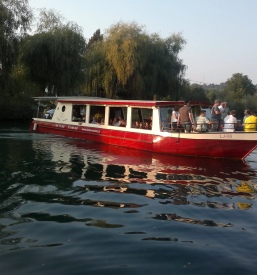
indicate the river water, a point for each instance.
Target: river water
{"x":73,"y":207}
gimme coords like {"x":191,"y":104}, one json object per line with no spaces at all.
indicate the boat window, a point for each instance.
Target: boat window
{"x":118,"y":116}
{"x":141,"y":118}
{"x":78,"y":113}
{"x":43,"y":108}
{"x":97,"y":114}
{"x":166,"y":117}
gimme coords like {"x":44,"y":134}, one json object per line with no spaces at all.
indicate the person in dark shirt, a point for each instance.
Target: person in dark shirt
{"x":185,"y":117}
{"x":215,"y":116}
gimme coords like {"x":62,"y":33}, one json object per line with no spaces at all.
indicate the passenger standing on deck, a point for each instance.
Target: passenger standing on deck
{"x":215,"y":116}
{"x":185,"y":117}
{"x":175,"y":117}
{"x":226,"y":111}
{"x":222,"y":110}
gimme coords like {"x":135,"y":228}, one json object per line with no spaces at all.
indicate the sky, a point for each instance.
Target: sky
{"x":221,"y":35}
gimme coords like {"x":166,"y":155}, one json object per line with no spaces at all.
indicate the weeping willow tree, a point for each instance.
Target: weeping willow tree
{"x":15,"y":19}
{"x":130,"y":63}
{"x":53,"y":57}
{"x":95,"y":65}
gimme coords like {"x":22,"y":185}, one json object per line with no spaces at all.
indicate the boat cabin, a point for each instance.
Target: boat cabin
{"x":135,"y":115}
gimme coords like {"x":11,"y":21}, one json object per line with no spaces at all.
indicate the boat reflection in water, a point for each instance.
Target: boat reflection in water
{"x":100,"y":168}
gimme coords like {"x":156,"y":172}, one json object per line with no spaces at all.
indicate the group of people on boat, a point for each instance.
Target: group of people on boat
{"x":97,"y":118}
{"x":222,"y":119}
{"x":141,"y":125}
{"x":118,"y":121}
{"x":227,"y":121}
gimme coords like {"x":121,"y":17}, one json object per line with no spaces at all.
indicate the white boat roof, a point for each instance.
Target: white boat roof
{"x":108,"y":101}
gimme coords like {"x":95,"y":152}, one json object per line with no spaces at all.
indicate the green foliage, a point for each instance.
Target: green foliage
{"x":213,"y":95}
{"x":15,"y":19}
{"x":238,"y":92}
{"x":55,"y":58}
{"x":194,"y":93}
{"x":133,"y":64}
{"x":97,"y":36}
{"x":49,"y":20}
{"x":21,"y":85}
{"x":238,"y":86}
{"x":95,"y":65}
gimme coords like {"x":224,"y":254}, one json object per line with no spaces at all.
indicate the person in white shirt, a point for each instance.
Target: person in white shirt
{"x":230,"y":122}
{"x":174,"y":117}
{"x":222,"y":107}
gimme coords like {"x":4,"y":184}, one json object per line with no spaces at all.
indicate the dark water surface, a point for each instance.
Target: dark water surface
{"x":73,"y":207}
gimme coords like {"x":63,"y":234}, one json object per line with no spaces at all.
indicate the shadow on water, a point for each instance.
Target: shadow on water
{"x":97,"y":200}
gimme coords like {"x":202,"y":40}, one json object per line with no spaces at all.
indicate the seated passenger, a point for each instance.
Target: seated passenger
{"x":201,"y":122}
{"x":120,"y":119}
{"x":123,"y":123}
{"x":94,"y":121}
{"x":99,"y":121}
{"x":76,"y":113}
{"x":45,"y":112}
{"x":111,"y":121}
{"x":250,"y":122}
{"x":116,"y":122}
{"x":51,"y":113}
{"x":146,"y":126}
{"x":136,"y":125}
{"x":141,"y":126}
{"x":230,"y":122}
{"x":151,"y":125}
{"x":82,"y":111}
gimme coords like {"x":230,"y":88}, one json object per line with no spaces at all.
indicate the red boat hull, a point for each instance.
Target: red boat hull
{"x":212,"y":148}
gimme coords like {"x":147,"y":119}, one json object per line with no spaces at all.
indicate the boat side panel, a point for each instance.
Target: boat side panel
{"x":98,"y":134}
{"x":207,"y":148}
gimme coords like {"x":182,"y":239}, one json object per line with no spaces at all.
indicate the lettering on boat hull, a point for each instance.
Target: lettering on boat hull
{"x":226,"y":136}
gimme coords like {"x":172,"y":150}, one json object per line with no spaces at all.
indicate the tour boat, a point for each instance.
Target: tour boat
{"x":138,"y":124}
